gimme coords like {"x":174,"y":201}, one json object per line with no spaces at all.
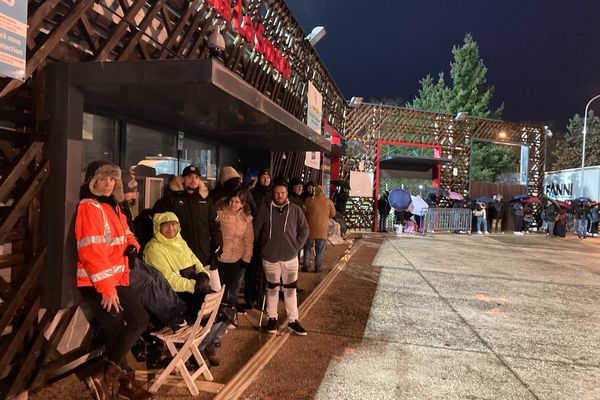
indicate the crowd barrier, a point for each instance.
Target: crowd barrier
{"x":447,"y":219}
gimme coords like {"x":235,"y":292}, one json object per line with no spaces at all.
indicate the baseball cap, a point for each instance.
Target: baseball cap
{"x":190,"y":169}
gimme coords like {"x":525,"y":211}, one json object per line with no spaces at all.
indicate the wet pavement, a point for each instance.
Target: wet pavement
{"x":434,"y":317}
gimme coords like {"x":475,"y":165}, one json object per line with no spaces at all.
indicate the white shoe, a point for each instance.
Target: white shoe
{"x":479,"y":233}
{"x":486,"y":233}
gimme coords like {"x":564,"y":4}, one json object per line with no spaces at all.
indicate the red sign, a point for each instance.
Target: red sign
{"x":244,"y":25}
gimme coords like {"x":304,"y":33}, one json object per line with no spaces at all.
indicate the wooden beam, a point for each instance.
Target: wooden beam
{"x":137,"y":35}
{"x":89,"y":33}
{"x":9,"y":183}
{"x":173,"y":36}
{"x":120,"y":30}
{"x":53,"y":39}
{"x":35,"y":20}
{"x":190,"y":32}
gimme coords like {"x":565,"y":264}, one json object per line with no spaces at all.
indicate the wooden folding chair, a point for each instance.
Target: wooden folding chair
{"x":189,"y":338}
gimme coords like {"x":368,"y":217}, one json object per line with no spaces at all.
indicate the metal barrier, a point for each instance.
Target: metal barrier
{"x":447,"y":219}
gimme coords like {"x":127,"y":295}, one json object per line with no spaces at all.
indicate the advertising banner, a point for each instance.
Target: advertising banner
{"x":313,"y":159}
{"x":13,"y":38}
{"x":315,"y":108}
{"x":361,"y":184}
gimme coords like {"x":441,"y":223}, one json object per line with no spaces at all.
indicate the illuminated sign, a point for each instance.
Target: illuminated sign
{"x":251,"y":33}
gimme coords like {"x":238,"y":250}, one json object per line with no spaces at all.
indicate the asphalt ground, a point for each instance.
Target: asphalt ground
{"x":434,"y":317}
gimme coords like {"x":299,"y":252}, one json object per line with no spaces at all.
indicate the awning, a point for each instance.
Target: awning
{"x":411,"y":163}
{"x":199,"y":97}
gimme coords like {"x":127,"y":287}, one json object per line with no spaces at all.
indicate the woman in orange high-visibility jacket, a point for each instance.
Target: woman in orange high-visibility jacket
{"x":104,"y":246}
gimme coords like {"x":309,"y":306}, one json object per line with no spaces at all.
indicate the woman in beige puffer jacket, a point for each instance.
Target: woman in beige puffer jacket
{"x":238,"y":241}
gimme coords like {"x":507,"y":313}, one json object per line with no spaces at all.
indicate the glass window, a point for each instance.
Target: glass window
{"x":99,"y":135}
{"x":202,"y":155}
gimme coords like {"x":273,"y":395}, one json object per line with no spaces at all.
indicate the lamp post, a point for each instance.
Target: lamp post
{"x":583,"y":146}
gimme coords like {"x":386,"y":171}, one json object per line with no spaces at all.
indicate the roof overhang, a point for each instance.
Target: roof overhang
{"x":199,"y":97}
{"x":411,"y":163}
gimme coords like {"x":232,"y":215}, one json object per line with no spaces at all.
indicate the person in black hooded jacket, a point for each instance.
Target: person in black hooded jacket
{"x":197,"y":216}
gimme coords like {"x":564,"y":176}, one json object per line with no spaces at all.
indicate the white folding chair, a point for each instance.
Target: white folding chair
{"x":189,"y":338}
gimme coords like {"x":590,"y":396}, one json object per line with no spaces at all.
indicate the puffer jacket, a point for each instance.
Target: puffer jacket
{"x":102,"y":235}
{"x":238,"y":236}
{"x":170,"y":256}
{"x":318,"y":210}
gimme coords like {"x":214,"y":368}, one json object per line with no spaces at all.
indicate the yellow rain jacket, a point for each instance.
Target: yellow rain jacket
{"x":170,"y":256}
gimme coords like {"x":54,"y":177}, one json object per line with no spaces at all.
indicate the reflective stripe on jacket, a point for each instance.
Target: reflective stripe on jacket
{"x":102,"y":235}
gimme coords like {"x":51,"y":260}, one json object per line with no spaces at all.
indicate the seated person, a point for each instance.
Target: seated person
{"x":170,"y":254}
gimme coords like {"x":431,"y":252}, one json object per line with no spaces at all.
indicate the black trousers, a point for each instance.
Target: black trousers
{"x":518,"y":221}
{"x":120,"y":330}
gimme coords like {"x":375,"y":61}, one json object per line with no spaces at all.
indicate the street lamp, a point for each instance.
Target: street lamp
{"x":583,"y":146}
{"x":548,"y":135}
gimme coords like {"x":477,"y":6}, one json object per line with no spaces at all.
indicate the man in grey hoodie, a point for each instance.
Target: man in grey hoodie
{"x":281,"y":231}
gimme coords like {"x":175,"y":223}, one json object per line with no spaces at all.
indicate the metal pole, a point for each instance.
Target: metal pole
{"x":583,"y":145}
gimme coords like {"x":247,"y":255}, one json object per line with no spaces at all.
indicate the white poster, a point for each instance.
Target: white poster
{"x":313,"y":159}
{"x":361,"y":184}
{"x":314,"y":109}
{"x":13,"y":38}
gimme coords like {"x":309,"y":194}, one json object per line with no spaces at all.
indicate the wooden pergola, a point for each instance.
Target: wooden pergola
{"x":370,"y":125}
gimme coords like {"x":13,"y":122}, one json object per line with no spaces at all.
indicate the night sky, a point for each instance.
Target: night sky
{"x":543,"y":56}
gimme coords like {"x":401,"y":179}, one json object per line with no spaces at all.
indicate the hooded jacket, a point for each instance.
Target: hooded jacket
{"x":102,"y":235}
{"x":318,"y":211}
{"x":238,"y":236}
{"x":170,"y":256}
{"x":197,"y":216}
{"x":281,"y":231}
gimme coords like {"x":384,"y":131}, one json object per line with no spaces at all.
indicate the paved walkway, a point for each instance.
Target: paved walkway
{"x":452,"y":317}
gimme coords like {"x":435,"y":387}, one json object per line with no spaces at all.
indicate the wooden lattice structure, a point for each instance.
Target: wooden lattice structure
{"x":72,"y":31}
{"x":370,"y":124}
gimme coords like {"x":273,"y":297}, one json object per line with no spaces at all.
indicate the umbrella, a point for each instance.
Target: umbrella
{"x":399,"y":199}
{"x":518,"y":197}
{"x":441,"y":192}
{"x":582,"y":200}
{"x":533,"y":200}
{"x":418,"y":206}
{"x":455,"y":196}
{"x":485,"y":199}
{"x":563,"y":204}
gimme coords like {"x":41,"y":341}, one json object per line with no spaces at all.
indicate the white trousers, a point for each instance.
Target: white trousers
{"x":286,"y":271}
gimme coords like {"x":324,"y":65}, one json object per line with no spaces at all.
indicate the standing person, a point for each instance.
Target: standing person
{"x":281,"y":230}
{"x":238,"y":241}
{"x":105,"y":246}
{"x":197,"y":216}
{"x":318,"y":211}
{"x":549,"y":216}
{"x":496,"y":211}
{"x":594,"y":217}
{"x":309,"y":190}
{"x":296,"y":189}
{"x":481,"y":216}
{"x":261,"y":192}
{"x":527,"y":217}
{"x":580,"y":211}
{"x":517,"y":212}
{"x":384,"y":208}
{"x":560,"y":226}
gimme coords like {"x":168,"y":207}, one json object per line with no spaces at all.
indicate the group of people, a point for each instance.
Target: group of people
{"x":199,"y":241}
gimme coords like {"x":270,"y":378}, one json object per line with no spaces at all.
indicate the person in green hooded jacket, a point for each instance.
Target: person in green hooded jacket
{"x":170,"y":254}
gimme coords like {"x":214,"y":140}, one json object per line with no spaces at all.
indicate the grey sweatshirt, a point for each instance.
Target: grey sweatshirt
{"x":281,"y":231}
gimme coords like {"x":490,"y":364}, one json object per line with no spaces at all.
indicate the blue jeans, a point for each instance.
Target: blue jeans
{"x":319,"y":250}
{"x":481,"y":220}
{"x":582,"y":227}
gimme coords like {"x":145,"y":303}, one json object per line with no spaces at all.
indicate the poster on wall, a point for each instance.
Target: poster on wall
{"x":13,"y":38}
{"x":314,"y":109}
{"x":361,"y":184}
{"x":313,"y":159}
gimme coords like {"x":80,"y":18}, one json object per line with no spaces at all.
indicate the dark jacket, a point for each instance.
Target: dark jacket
{"x":200,"y":227}
{"x":280,"y":231}
{"x":297,"y":200}
{"x":517,"y":209}
{"x":496,"y":210}
{"x":261,"y":195}
{"x":383,"y":205}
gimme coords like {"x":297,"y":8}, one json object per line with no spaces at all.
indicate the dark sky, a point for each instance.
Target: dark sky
{"x":543,"y":56}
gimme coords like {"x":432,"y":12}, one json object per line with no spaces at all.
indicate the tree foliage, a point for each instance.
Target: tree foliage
{"x":568,"y":149}
{"x":469,"y":90}
{"x":490,"y":160}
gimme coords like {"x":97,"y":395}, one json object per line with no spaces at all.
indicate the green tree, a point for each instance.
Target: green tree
{"x":490,"y":160}
{"x":469,"y":90}
{"x":568,"y":149}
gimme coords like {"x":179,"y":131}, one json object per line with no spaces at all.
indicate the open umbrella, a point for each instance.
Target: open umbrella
{"x":582,"y":200}
{"x":439,"y":191}
{"x":418,"y":206}
{"x":399,"y":199}
{"x":455,"y":196}
{"x":485,"y":199}
{"x":533,"y":200}
{"x":518,"y":197}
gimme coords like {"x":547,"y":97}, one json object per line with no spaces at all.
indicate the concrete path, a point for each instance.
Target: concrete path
{"x":459,"y":317}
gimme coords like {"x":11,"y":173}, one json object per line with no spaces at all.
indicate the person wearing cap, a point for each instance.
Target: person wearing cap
{"x":105,"y":247}
{"x":281,"y":230}
{"x":295,"y":193}
{"x":190,"y":201}
{"x":262,"y":190}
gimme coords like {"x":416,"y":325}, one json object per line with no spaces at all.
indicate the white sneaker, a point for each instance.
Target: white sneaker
{"x":479,"y":233}
{"x":486,"y":233}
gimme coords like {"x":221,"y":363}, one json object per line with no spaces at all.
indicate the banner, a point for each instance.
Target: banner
{"x":313,"y":159}
{"x":13,"y":38}
{"x":361,"y":184}
{"x":314,"y":109}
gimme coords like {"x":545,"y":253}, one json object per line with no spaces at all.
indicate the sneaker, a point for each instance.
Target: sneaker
{"x":486,"y":233}
{"x":479,"y":233}
{"x":297,"y":328}
{"x":241,"y":310}
{"x":271,"y":326}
